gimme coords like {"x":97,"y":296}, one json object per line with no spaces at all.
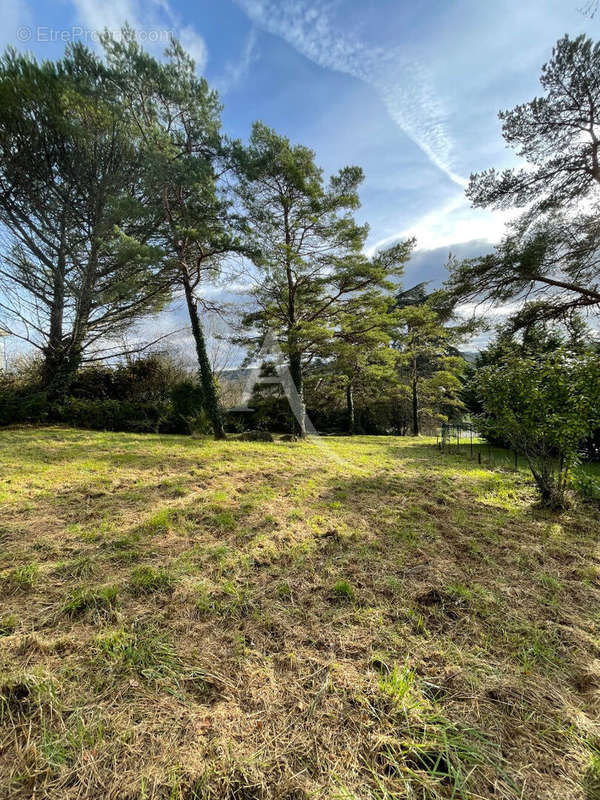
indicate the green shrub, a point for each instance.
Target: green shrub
{"x":545,"y":407}
{"x":187,"y":400}
{"x":150,"y":395}
{"x":19,"y":406}
{"x":112,"y":415}
{"x":585,"y":485}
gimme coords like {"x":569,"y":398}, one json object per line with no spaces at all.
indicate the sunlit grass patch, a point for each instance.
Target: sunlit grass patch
{"x":499,"y":489}
{"x":385,"y":625}
{"x":343,"y":590}
{"x":158,"y":523}
{"x":142,"y":650}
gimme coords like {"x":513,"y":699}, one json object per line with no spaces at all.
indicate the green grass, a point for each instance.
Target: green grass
{"x":148,"y":580}
{"x":143,"y":651}
{"x":82,"y":600}
{"x":8,"y":624}
{"x":23,"y":577}
{"x":187,"y":619}
{"x":342,"y":590}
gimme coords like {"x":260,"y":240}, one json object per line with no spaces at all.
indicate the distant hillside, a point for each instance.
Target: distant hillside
{"x":469,"y":355}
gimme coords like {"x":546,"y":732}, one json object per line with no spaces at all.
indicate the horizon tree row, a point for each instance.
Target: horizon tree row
{"x":119,"y":192}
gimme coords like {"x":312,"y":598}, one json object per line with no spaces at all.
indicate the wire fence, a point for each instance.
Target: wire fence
{"x":465,"y":439}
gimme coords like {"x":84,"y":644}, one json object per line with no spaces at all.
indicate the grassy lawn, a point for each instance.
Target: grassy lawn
{"x":187,"y":619}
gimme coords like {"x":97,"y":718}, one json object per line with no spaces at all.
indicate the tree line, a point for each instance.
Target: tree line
{"x":120,"y":192}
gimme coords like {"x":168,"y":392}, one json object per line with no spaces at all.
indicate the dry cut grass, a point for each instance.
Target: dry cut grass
{"x":184,"y":619}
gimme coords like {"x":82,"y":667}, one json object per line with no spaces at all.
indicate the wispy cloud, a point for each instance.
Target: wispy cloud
{"x":16,"y":15}
{"x":452,"y":223}
{"x":489,"y":310}
{"x":193,"y":42}
{"x":404,"y":85}
{"x":235,"y":71}
{"x":144,"y":16}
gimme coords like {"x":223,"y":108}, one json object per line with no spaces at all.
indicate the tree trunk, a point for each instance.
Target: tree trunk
{"x":55,"y":338}
{"x":350,"y":407}
{"x":297,"y":400}
{"x":61,"y":359}
{"x":206,"y":377}
{"x":295,"y":357}
{"x":415,"y":406}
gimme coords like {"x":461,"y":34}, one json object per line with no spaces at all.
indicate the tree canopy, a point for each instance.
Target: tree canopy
{"x":549,"y":259}
{"x":309,"y":248}
{"x":79,"y":264}
{"x":178,"y":119}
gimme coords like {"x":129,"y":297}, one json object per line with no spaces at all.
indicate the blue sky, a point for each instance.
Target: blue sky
{"x":407,"y":89}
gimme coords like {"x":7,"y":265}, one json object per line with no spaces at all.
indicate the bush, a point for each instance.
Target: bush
{"x":545,"y":408}
{"x":18,"y":406}
{"x":187,"y":399}
{"x":150,"y":395}
{"x":148,"y":379}
{"x":586,"y":485}
{"x":112,"y":415}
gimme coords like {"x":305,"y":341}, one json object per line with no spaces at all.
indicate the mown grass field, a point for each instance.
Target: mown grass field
{"x":187,"y":619}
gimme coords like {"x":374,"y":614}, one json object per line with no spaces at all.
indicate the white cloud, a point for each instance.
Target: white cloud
{"x":235,"y":71}
{"x":453,"y":223}
{"x":489,"y":310}
{"x":16,"y":23}
{"x":195,"y":46}
{"x":153,"y":20}
{"x":112,"y":15}
{"x":404,"y":85}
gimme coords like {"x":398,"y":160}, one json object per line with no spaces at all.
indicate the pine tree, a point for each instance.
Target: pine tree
{"x":178,"y":117}
{"x":550,"y":256}
{"x":308,"y":248}
{"x":79,"y":264}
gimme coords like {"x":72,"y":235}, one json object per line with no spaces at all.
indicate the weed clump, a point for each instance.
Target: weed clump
{"x":228,"y":599}
{"x":8,"y":624}
{"x":148,"y":580}
{"x":142,"y":650}
{"x":158,"y":523}
{"x":23,"y":578}
{"x":81,"y":567}
{"x":342,"y":590}
{"x":101,"y":601}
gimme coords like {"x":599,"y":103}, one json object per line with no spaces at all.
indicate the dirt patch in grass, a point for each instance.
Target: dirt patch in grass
{"x":188,"y":619}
